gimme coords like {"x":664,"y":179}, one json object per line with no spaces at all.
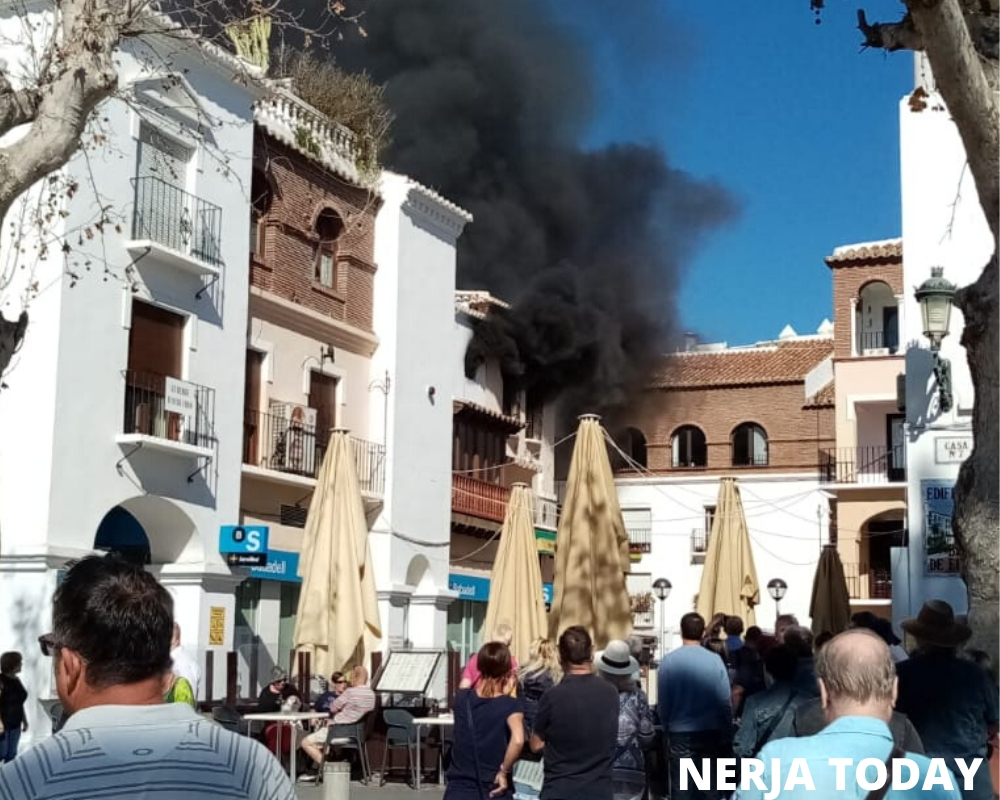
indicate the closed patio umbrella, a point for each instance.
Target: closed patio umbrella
{"x":830,"y":607}
{"x":591,"y":546}
{"x":337,"y":615}
{"x":516,"y":585}
{"x":729,"y":583}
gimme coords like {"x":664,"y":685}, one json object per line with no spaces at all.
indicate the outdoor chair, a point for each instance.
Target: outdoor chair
{"x":228,"y":717}
{"x":401,"y":734}
{"x":353,"y":736}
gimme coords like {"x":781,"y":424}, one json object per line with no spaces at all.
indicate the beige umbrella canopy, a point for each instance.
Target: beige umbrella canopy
{"x":729,"y":583}
{"x":591,"y":546}
{"x":830,"y":607}
{"x":338,"y":609}
{"x":516,"y":585}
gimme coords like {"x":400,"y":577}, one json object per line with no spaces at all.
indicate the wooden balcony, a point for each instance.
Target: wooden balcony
{"x":477,"y":498}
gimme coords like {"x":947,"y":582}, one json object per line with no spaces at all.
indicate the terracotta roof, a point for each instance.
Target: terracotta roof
{"x":824,"y":398}
{"x":773,"y":362}
{"x":886,"y":250}
{"x":459,"y":406}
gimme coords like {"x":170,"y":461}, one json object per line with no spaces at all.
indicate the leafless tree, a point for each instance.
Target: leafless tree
{"x":961,"y":39}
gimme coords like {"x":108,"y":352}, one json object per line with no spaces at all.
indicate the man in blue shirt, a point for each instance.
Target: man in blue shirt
{"x":694,"y":705}
{"x":857,"y":683}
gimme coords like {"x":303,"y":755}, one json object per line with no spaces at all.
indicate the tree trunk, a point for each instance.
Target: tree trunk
{"x":966,"y":82}
{"x":976,"y":522}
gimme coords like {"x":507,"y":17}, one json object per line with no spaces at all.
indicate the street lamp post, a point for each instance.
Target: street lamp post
{"x":777,"y":588}
{"x":935,"y":296}
{"x":662,"y":588}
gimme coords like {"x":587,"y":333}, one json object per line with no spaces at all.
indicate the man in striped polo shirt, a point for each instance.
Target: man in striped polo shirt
{"x":112,"y":625}
{"x":349,"y":707}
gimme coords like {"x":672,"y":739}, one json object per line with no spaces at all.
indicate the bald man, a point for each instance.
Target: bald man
{"x":857,"y":684}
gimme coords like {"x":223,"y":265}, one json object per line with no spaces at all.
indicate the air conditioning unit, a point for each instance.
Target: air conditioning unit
{"x":293,"y":438}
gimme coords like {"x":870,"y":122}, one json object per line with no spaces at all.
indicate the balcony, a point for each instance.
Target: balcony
{"x":866,"y":583}
{"x":877,"y":343}
{"x":872,"y":465}
{"x":168,"y":414}
{"x":292,"y":451}
{"x":640,"y":541}
{"x":180,"y":229}
{"x":546,"y":513}
{"x":479,"y":499}
{"x":699,"y":545}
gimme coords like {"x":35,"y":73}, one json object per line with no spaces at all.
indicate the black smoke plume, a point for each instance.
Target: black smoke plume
{"x":491,"y":99}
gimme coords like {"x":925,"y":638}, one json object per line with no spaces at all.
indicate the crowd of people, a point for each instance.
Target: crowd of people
{"x":571,"y":723}
{"x":584,"y":725}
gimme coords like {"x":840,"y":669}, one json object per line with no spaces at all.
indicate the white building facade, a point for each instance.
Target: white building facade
{"x":120,"y":429}
{"x":410,"y":404}
{"x":943,"y":225}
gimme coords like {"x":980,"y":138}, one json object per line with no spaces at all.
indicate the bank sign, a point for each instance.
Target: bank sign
{"x":243,"y":545}
{"x":476,"y":589}
{"x":282,"y":565}
{"x":940,"y":553}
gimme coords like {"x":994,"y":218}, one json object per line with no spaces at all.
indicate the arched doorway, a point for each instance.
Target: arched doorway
{"x":879,"y":535}
{"x":149,"y":530}
{"x":121,"y":533}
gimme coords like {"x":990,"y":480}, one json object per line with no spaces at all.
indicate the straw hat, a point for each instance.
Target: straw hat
{"x":616,"y":659}
{"x":936,"y":625}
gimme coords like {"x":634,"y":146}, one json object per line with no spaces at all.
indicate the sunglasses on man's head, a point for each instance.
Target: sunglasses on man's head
{"x":48,"y":644}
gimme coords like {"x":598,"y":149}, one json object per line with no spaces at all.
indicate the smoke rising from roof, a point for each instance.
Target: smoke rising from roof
{"x":491,"y":99}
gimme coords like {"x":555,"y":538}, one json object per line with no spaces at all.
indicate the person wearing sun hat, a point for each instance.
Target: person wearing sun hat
{"x":636,"y":732}
{"x":949,"y":700}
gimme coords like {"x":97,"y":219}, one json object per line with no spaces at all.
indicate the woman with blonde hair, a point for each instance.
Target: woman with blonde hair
{"x":502,"y":634}
{"x":541,"y":673}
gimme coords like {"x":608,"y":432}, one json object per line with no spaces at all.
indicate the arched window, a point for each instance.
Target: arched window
{"x":634,"y":443}
{"x":749,"y":446}
{"x":261,"y":196}
{"x":328,"y":229}
{"x":687,"y":447}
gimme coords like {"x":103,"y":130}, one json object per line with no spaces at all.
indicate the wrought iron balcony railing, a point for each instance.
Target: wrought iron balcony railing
{"x":640,"y":540}
{"x":169,"y":408}
{"x":871,"y":464}
{"x":276,"y":442}
{"x":177,"y":220}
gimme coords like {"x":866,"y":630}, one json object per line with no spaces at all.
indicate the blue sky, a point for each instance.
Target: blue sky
{"x":797,"y":121}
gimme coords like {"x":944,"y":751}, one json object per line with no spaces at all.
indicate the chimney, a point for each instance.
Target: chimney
{"x":690,"y":340}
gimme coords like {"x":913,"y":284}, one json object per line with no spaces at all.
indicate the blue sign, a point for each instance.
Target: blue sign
{"x":244,"y":545}
{"x":243,"y":539}
{"x":281,"y":566}
{"x":476,"y":589}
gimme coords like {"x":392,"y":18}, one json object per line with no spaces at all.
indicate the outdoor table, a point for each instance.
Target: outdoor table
{"x":444,"y":721}
{"x":279,"y":716}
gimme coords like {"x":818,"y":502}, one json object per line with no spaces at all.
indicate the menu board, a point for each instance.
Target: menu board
{"x":407,"y":671}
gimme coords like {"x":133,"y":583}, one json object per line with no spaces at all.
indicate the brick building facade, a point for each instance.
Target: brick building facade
{"x":310,"y":342}
{"x":293,"y":198}
{"x":866,"y":470}
{"x":747,"y":405}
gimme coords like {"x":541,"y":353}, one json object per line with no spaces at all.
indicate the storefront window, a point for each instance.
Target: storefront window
{"x":465,"y":627}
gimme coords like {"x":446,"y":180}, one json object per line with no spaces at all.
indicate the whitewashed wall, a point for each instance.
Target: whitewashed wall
{"x":788,"y":520}
{"x":943,"y":225}
{"x":61,"y":470}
